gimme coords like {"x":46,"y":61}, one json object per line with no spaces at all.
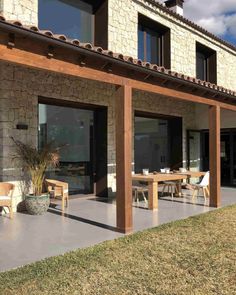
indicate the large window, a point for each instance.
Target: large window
{"x":206,"y":63}
{"x":77,"y":19}
{"x":153,"y":42}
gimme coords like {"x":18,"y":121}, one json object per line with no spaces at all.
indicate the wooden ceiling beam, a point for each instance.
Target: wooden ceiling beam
{"x":63,"y":66}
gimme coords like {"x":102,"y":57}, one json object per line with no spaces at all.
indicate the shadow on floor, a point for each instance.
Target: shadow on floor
{"x":84,"y":220}
{"x":176,"y":200}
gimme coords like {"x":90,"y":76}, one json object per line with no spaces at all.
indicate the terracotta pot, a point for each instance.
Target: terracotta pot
{"x":37,"y":205}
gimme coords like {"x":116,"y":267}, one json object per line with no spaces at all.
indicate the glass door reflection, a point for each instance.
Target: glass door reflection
{"x":71,"y":129}
{"x":151,"y":144}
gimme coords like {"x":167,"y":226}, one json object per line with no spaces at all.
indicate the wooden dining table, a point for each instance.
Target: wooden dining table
{"x":153,"y":180}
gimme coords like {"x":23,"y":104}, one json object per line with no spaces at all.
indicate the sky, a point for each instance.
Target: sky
{"x":217,"y":16}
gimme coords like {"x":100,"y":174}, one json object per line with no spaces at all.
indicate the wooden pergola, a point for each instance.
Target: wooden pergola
{"x":30,"y":48}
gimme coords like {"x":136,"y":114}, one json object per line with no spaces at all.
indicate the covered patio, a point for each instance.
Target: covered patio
{"x":86,"y":222}
{"x":126,"y":83}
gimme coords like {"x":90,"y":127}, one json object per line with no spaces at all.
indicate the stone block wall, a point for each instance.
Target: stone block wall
{"x":24,"y":10}
{"x":19,"y":91}
{"x":20,"y":88}
{"x":123,"y":37}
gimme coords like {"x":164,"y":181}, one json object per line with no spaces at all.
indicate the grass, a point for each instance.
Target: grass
{"x":192,"y":256}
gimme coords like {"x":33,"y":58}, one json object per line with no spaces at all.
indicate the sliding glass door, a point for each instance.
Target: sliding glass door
{"x":151,"y":144}
{"x":194,"y":150}
{"x":71,"y":129}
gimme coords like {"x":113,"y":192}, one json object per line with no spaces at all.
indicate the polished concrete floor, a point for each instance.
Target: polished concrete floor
{"x":87,"y":221}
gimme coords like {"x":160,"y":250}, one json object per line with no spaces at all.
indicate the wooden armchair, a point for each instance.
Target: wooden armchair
{"x":58,"y":189}
{"x":6,"y":192}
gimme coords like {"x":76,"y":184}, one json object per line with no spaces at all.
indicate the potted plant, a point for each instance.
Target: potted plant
{"x":35,"y":162}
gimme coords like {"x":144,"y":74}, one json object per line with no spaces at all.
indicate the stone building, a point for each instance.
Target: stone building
{"x":40,"y":103}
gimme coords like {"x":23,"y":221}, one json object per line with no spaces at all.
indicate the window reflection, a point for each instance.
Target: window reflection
{"x":140,"y":43}
{"x":201,"y":66}
{"x":73,"y":18}
{"x":151,"y":144}
{"x":149,"y":45}
{"x":70,"y":129}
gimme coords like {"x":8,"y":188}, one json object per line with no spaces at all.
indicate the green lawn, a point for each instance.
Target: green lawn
{"x":192,"y":256}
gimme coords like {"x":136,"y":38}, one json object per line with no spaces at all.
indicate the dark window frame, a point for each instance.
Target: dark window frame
{"x":209,"y":59}
{"x":162,"y":32}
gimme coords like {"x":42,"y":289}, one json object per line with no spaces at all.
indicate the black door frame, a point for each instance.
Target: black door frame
{"x":99,"y":185}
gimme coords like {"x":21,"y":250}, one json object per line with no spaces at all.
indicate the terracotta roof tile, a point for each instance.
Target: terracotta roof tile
{"x":61,"y":37}
{"x":116,"y":56}
{"x":75,"y":42}
{"x":46,"y":32}
{"x":33,"y":28}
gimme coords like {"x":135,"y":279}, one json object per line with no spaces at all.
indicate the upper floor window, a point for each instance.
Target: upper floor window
{"x":206,"y":68}
{"x":77,"y":19}
{"x":153,"y":42}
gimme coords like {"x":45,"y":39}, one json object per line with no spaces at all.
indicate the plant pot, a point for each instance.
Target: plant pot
{"x":37,"y":205}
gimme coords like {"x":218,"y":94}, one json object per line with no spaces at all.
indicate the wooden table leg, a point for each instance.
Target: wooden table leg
{"x":179,"y":189}
{"x":153,"y":195}
{"x":63,"y":203}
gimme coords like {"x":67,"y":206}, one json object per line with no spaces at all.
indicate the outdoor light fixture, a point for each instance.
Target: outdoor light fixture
{"x":81,"y":124}
{"x":22,"y":126}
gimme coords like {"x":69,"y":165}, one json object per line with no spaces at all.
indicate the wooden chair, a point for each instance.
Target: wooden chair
{"x":171,"y":188}
{"x":58,"y":189}
{"x":204,"y":185}
{"x":138,"y":189}
{"x":6,"y":193}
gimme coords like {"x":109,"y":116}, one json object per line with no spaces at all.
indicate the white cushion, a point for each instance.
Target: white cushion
{"x":5,"y":198}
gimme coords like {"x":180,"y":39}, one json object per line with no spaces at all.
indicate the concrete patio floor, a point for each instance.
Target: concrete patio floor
{"x":87,"y":221}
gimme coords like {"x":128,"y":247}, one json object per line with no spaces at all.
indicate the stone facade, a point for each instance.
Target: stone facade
{"x":24,"y":10}
{"x":20,"y":89}
{"x":123,"y":14}
{"x":123,"y":35}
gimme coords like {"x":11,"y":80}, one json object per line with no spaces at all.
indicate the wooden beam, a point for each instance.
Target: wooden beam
{"x":38,"y":61}
{"x":215,"y":165}
{"x":123,"y":111}
{"x":176,"y":94}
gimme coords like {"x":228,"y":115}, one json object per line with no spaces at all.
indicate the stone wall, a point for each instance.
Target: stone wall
{"x":20,"y":88}
{"x":228,"y":118}
{"x":24,"y":10}
{"x":123,"y":37}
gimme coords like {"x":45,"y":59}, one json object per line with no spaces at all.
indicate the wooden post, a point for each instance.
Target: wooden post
{"x":214,"y":152}
{"x":124,"y":159}
{"x":153,"y":195}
